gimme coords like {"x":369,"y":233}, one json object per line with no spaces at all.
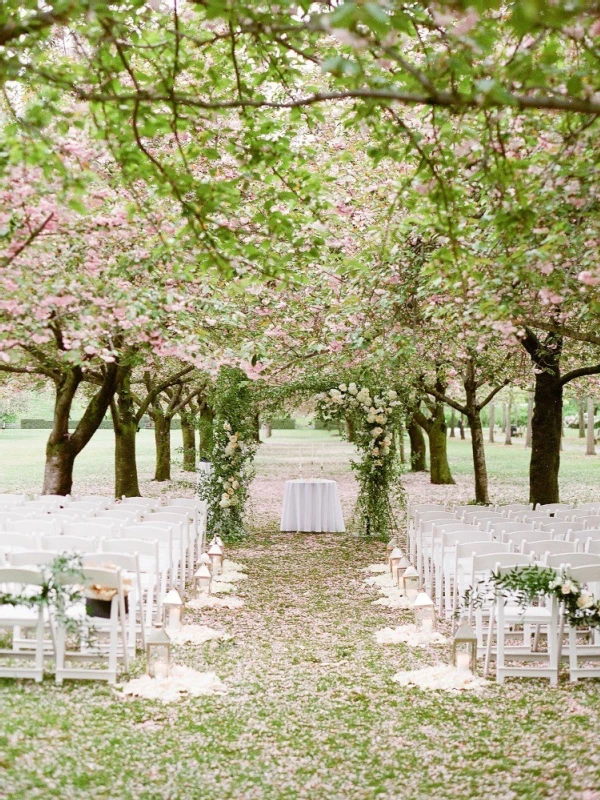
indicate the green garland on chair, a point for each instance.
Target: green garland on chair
{"x":526,"y":584}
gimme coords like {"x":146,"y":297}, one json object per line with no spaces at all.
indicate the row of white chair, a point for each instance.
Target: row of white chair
{"x":28,"y":655}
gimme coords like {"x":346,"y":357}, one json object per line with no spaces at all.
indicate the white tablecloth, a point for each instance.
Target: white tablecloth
{"x":312,"y":506}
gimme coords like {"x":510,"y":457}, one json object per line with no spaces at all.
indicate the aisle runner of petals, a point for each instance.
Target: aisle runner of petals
{"x":181,"y":682}
{"x":392,"y":597}
{"x":197,"y":634}
{"x":410,"y":635}
{"x":442,"y":677}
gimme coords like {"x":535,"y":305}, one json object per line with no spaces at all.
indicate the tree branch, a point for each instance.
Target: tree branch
{"x":579,"y":373}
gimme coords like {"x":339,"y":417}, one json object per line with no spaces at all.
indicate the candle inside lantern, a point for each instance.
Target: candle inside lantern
{"x":427,"y":625}
{"x":161,"y":669}
{"x":463,"y":662}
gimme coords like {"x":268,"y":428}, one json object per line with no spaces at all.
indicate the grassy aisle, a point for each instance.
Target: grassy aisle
{"x":311,"y":711}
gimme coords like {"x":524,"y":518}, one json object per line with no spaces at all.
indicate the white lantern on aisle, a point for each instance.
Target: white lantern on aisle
{"x":204,"y":559}
{"x":400,"y":570}
{"x":158,"y":652}
{"x":411,"y":583}
{"x":393,"y":542}
{"x":219,"y":541}
{"x":215,"y":553}
{"x":464,"y":648}
{"x":424,"y":613}
{"x":202,"y":581}
{"x":395,"y":558}
{"x":172,"y":611}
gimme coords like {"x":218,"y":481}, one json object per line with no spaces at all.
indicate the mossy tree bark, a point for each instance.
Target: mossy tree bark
{"x":418,"y":450}
{"x":126,"y":426}
{"x":435,"y":427}
{"x":63,"y":447}
{"x":546,"y":424}
{"x":188,"y":435}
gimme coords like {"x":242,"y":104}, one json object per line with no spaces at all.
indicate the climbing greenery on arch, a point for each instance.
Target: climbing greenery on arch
{"x":374,"y":416}
{"x":226,"y":487}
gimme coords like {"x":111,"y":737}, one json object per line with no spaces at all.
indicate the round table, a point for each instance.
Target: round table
{"x":312,"y":505}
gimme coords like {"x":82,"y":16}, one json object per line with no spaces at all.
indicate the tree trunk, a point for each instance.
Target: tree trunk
{"x":188,"y":434}
{"x":508,"y":430}
{"x":452,"y":423}
{"x":461,"y":426}
{"x":205,"y":445}
{"x":125,"y":425}
{"x":492,"y":422}
{"x":479,"y":465}
{"x":268,"y":430}
{"x":63,"y":447}
{"x":545,"y":438}
{"x":418,"y":452}
{"x":400,"y":434}
{"x":590,"y":449}
{"x":581,"y":419}
{"x":350,"y":430}
{"x":435,"y":427}
{"x":60,"y":453}
{"x":529,"y":416}
{"x":162,"y":438}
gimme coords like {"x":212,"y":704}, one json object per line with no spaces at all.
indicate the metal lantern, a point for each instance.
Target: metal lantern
{"x":424,"y":612}
{"x":400,"y":570}
{"x":172,"y":610}
{"x":464,"y":648}
{"x":411,"y":583}
{"x":215,"y":553}
{"x":158,"y":652}
{"x":218,"y":540}
{"x":395,"y":557}
{"x":202,"y":580}
{"x":393,"y":542}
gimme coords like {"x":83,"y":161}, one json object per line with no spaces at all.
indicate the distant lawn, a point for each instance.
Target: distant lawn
{"x":22,"y":458}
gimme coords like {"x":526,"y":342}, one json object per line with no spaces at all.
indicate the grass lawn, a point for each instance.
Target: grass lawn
{"x":311,"y":712}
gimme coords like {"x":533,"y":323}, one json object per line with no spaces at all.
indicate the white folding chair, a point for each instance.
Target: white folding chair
{"x":504,"y":526}
{"x":424,"y":522}
{"x":561,"y":528}
{"x":129,"y":515}
{"x":552,"y":508}
{"x":507,"y":616}
{"x":412,"y":510}
{"x":98,"y":501}
{"x":518,"y":537}
{"x":153,"y":578}
{"x":32,"y":558}
{"x":482,"y":567}
{"x":591,"y":522}
{"x":444,"y":544}
{"x":36,"y":526}
{"x":546,"y":547}
{"x":65,"y":544}
{"x":179,"y":519}
{"x":514,"y":507}
{"x":588,"y":577}
{"x":94,"y":529}
{"x":129,"y":564}
{"x":464,"y":553}
{"x":8,"y":500}
{"x":15,"y":542}
{"x":115,"y":627}
{"x":13,"y":515}
{"x":560,"y":560}
{"x":197,"y":519}
{"x":19,"y":617}
{"x":147,"y":503}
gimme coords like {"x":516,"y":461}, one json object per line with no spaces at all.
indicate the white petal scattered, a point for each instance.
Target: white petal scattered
{"x":393,"y":599}
{"x":219,"y":587}
{"x":442,"y":677}
{"x":231,"y":576}
{"x":385,"y":580}
{"x":410,"y":635}
{"x":210,"y":601}
{"x":181,"y":682}
{"x":376,"y":568}
{"x":197,"y":634}
{"x":232,"y":566}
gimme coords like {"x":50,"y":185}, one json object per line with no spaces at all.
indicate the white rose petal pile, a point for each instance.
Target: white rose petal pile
{"x":182,"y":682}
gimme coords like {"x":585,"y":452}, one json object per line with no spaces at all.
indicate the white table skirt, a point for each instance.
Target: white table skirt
{"x":312,"y":506}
